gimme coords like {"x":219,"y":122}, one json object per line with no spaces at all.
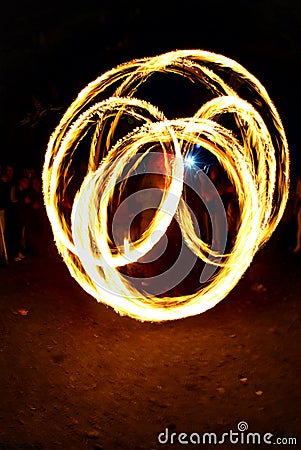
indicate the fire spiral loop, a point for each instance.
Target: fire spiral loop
{"x":92,"y":212}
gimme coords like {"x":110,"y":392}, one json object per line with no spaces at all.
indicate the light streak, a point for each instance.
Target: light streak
{"x":254,"y":155}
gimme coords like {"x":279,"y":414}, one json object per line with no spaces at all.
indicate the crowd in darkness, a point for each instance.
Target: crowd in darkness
{"x":23,"y":221}
{"x":25,"y":229}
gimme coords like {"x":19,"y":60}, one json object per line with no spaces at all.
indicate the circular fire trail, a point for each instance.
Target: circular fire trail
{"x":139,"y":168}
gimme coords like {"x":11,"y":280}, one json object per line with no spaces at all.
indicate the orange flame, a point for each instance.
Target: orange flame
{"x":255,"y":158}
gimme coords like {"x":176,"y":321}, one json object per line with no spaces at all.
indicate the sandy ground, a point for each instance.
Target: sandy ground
{"x":76,"y":375}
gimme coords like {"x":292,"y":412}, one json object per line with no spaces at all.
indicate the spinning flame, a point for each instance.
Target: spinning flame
{"x":254,"y":156}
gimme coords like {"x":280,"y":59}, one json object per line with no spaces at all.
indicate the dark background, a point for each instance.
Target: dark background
{"x":50,"y":50}
{"x":76,"y":375}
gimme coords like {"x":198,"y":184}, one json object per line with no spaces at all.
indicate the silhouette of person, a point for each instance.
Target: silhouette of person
{"x":297,"y":213}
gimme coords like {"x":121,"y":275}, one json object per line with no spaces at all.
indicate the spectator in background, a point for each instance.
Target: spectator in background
{"x":37,"y":219}
{"x":23,"y":218}
{"x":297,"y":213}
{"x":11,"y":216}
{"x":3,"y":206}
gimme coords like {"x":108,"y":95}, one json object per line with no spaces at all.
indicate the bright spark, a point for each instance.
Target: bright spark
{"x":189,"y":161}
{"x":255,"y":158}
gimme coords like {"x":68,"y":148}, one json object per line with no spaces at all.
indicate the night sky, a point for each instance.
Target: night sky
{"x":50,"y":50}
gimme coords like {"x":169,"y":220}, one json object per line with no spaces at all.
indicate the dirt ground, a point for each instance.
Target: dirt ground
{"x":76,"y":375}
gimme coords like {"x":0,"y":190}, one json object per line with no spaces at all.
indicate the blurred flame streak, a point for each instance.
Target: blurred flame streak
{"x":256,"y":163}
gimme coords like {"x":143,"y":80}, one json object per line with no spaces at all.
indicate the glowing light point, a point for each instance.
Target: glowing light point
{"x":189,"y":161}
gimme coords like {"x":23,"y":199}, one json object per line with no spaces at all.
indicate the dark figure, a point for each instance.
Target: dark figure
{"x":37,"y":230}
{"x":4,"y":193}
{"x":297,"y":213}
{"x":12,"y":225}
